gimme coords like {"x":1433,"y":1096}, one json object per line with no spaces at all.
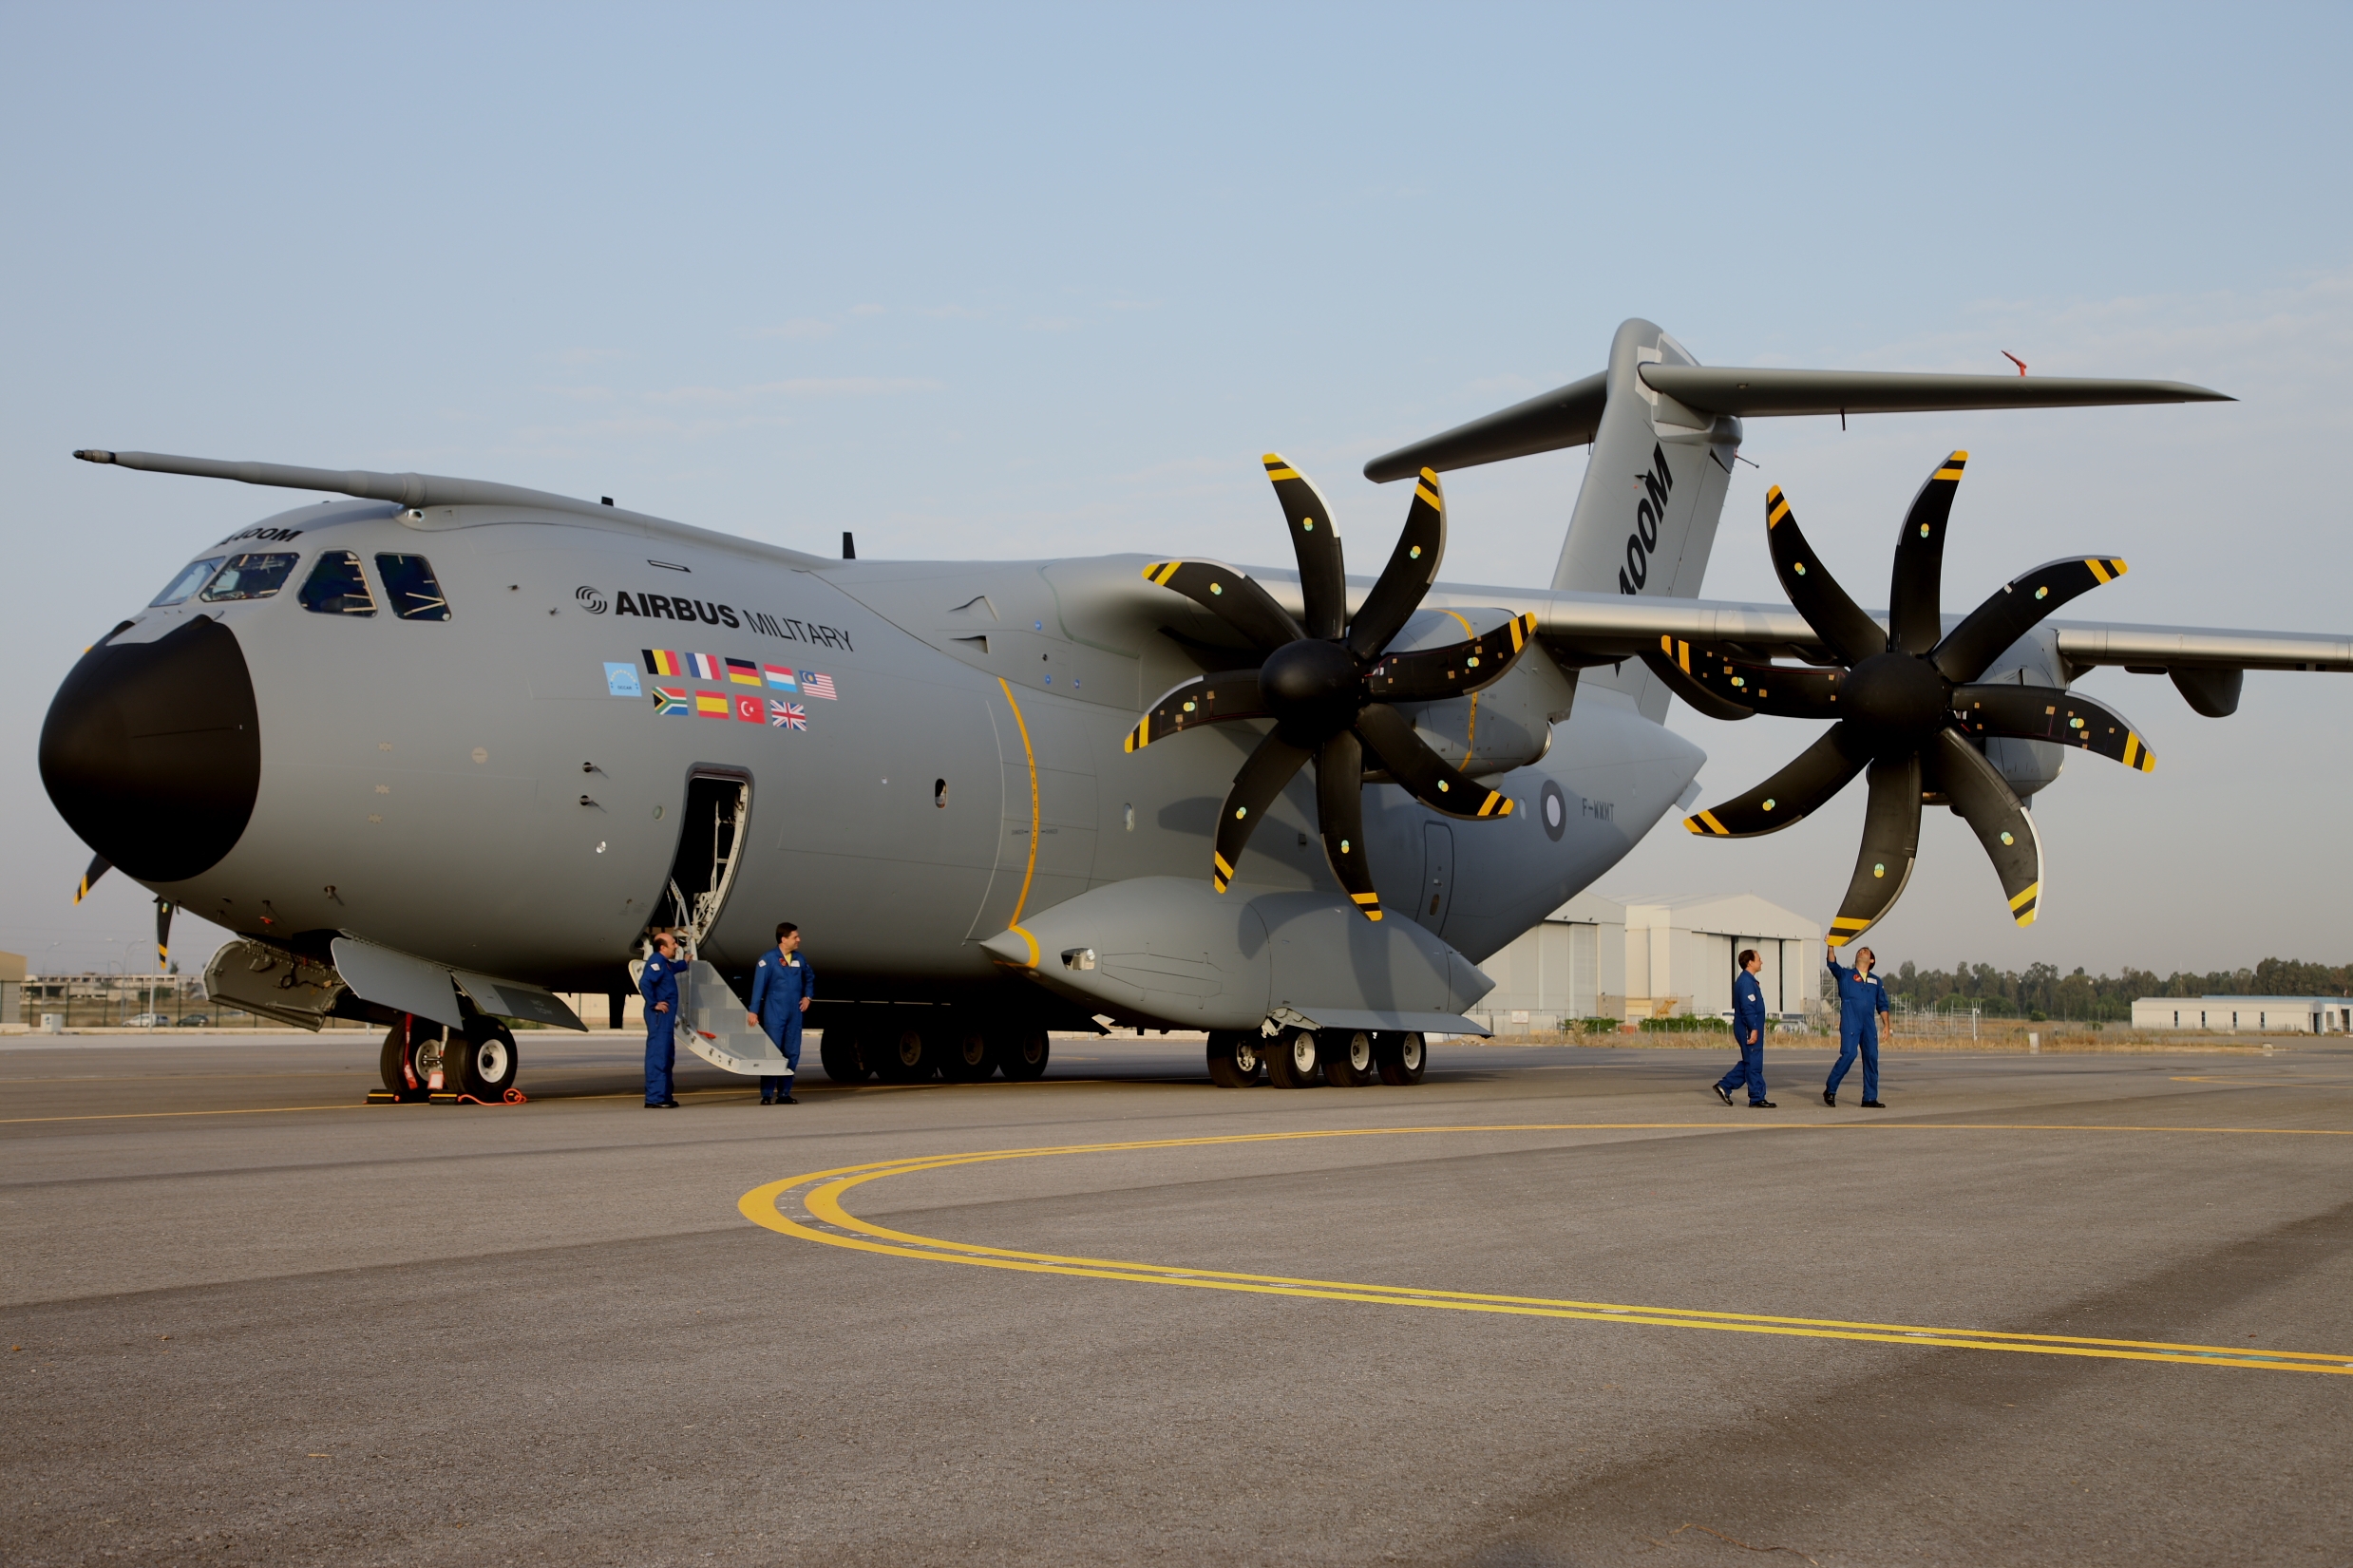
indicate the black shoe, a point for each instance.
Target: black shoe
{"x":1873,"y":1104}
{"x":768,"y":1102}
{"x":1829,"y":1096}
{"x":1724,"y":1094}
{"x":787,"y":1100}
{"x":670,"y":1104}
{"x":1762,"y":1104}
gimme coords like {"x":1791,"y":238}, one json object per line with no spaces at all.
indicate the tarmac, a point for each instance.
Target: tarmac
{"x":1555,"y":1305}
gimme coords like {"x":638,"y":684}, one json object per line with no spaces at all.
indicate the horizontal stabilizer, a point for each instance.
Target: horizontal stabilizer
{"x":1568,"y":416}
{"x":1720,"y":389}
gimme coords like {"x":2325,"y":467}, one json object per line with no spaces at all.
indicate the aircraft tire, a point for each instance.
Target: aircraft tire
{"x":485,"y":1064}
{"x":899,"y":1055}
{"x":1233,"y":1059}
{"x":1403,"y":1058}
{"x":966,"y":1054}
{"x":393,"y":1058}
{"x":839,"y":1056}
{"x":1296,"y":1060}
{"x":1022,"y":1054}
{"x":1349,"y":1061}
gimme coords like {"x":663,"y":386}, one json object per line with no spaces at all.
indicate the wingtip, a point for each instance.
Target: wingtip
{"x":93,"y":454}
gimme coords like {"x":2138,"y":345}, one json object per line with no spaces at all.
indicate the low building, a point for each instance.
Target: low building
{"x":11,"y":988}
{"x":1637,"y":959}
{"x":2230,"y":1014}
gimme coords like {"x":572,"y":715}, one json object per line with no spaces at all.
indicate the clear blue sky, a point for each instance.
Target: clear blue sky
{"x":1012,"y":282}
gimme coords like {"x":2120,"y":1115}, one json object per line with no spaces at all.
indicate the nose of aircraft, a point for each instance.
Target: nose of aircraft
{"x":152,"y":751}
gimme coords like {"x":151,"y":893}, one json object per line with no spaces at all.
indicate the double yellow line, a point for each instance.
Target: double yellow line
{"x":810,"y":1207}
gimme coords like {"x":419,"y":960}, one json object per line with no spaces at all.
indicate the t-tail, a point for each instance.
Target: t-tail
{"x":1665,"y":431}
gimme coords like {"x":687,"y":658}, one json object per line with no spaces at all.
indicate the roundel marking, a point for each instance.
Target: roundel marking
{"x":1553,"y":811}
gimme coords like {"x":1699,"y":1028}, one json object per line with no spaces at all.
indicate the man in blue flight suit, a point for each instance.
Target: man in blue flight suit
{"x":1862,"y":1003}
{"x":658,"y":984}
{"x":1747,"y":1032}
{"x":782,"y":988}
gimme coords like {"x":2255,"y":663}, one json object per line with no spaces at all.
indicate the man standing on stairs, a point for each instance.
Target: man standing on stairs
{"x":782,"y":989}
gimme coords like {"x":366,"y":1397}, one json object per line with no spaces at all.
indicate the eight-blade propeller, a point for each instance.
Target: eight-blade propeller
{"x":1329,"y":686}
{"x":1907,"y":704}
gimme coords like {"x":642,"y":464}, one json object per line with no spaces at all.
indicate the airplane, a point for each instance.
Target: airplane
{"x":441,"y":748}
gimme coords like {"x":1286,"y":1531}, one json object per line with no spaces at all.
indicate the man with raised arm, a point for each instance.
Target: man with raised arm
{"x":1862,"y":1008}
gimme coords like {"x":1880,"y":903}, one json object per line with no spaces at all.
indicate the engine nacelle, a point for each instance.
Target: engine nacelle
{"x":1502,"y":727}
{"x":2033,"y":660}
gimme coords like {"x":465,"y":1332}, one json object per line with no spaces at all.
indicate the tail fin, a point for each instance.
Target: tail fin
{"x":1645,"y":518}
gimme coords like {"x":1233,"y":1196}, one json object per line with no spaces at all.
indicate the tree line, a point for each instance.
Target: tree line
{"x":2039,"y":990}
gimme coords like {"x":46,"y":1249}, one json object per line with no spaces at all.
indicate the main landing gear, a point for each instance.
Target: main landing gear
{"x":959,"y":1050}
{"x":1301,"y":1058}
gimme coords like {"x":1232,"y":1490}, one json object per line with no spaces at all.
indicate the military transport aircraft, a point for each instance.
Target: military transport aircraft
{"x":444,"y":749}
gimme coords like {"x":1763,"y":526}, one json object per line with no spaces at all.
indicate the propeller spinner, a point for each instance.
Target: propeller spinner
{"x":1330,"y":685}
{"x":1908,"y":704}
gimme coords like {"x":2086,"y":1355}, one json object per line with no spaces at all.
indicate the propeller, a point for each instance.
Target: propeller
{"x":99,"y":867}
{"x":1908,"y":704}
{"x":163,"y":935}
{"x":1330,"y":685}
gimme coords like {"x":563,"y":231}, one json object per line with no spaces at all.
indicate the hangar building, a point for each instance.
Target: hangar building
{"x":2294,"y":1015}
{"x":1650,"y":957}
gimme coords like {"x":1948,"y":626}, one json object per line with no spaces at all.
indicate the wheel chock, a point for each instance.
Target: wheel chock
{"x":446,"y":1099}
{"x":389,"y":1097}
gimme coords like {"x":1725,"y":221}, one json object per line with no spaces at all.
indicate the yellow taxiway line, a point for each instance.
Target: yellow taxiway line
{"x":817,"y":1214}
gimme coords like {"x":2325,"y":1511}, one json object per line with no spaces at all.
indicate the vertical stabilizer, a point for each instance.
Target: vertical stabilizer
{"x":1646,"y":516}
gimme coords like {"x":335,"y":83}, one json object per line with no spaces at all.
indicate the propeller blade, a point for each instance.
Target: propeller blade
{"x":1270,"y":768}
{"x":2014,"y":609}
{"x":1206,"y":699}
{"x":1232,"y":597}
{"x":2046,"y":713}
{"x":1798,"y":790}
{"x":1726,"y":688}
{"x":1436,"y":673}
{"x":1413,"y":567}
{"x":1914,"y":617}
{"x":1984,"y":800}
{"x":99,"y":867}
{"x":1323,"y":583}
{"x":1814,"y":593}
{"x":163,"y":935}
{"x":1340,"y":812}
{"x":1891,"y":843}
{"x":1423,"y":773}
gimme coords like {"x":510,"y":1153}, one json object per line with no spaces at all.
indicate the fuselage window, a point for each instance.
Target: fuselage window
{"x":415,"y":593}
{"x":189,"y":580}
{"x":337,"y":587}
{"x":250,"y":576}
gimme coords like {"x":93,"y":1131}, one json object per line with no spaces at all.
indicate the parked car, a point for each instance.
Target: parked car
{"x":148,"y":1020}
{"x":197,"y":1020}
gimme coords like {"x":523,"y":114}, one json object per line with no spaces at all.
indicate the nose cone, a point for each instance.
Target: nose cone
{"x":152,"y":751}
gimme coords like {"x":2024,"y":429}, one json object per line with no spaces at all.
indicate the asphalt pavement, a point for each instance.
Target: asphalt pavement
{"x":1555,"y":1305}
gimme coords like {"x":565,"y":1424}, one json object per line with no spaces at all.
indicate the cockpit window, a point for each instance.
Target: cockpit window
{"x":415,"y":593}
{"x":336,"y":586}
{"x":251,"y":578}
{"x":189,"y":580}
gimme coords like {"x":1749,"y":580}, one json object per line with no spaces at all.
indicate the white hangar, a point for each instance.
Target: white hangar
{"x":2293,"y":1015}
{"x":1650,"y":957}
